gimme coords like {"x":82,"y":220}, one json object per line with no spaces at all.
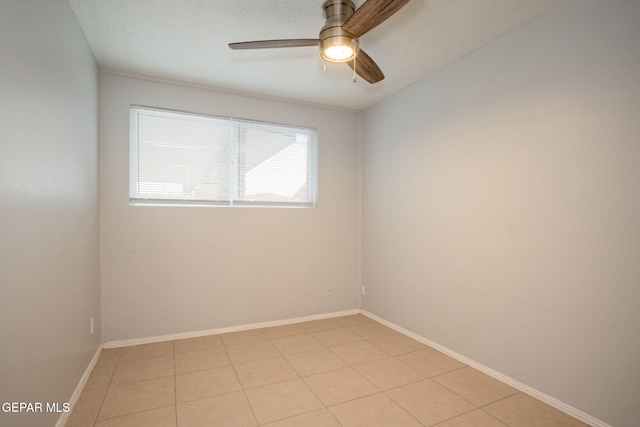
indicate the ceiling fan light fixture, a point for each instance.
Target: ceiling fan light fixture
{"x":339,"y":49}
{"x":338,"y":38}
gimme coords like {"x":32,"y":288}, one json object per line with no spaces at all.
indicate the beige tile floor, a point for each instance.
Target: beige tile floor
{"x":345,"y":371}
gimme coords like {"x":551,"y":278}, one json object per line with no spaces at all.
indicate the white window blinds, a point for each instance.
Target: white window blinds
{"x":180,"y":158}
{"x":274,"y":164}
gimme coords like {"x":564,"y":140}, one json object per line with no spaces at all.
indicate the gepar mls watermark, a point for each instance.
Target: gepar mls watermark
{"x":35,"y":407}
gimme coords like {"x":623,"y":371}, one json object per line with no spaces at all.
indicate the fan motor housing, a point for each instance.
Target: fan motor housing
{"x":336,"y":13}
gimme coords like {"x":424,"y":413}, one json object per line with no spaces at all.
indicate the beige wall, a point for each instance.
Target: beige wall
{"x":168,"y":270}
{"x":501,"y":207}
{"x":49,"y":264}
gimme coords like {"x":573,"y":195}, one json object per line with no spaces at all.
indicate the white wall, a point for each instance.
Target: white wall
{"x":168,"y":270}
{"x":49,"y":263}
{"x":501,"y":207}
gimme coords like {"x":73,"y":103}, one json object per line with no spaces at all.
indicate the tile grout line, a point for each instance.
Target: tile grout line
{"x":379,"y":390}
{"x":493,"y":416}
{"x":477,"y":407}
{"x":298,"y":374}
{"x":95,"y":421}
{"x":175,"y":382}
{"x":131,"y":413}
{"x":242,"y":389}
{"x":456,"y":416}
{"x":300,"y":377}
{"x":324,"y":346}
{"x":224,"y":346}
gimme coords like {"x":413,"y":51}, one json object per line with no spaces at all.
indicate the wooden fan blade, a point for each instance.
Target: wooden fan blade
{"x":367,"y":68}
{"x":268,"y":44}
{"x":371,"y":14}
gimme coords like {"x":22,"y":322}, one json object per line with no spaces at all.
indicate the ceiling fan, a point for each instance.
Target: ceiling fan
{"x":338,"y":39}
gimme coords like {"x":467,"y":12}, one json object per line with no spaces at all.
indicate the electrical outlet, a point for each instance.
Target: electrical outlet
{"x":92,"y":327}
{"x":362,"y":290}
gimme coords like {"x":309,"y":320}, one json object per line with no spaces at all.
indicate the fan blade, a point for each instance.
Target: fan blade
{"x":268,"y":44}
{"x":367,"y":68}
{"x":371,"y":14}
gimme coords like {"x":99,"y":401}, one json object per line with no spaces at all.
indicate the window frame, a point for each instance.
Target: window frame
{"x":233,"y":170}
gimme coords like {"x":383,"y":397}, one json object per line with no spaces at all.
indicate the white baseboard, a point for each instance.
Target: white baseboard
{"x":76,"y":393}
{"x":551,"y":401}
{"x":576,"y":413}
{"x":171,"y":337}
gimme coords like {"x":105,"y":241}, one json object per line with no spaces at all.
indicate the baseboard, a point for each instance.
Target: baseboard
{"x":551,"y":401}
{"x":76,"y":393}
{"x":171,"y":337}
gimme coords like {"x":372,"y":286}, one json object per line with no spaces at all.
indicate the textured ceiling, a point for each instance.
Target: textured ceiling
{"x":186,"y":41}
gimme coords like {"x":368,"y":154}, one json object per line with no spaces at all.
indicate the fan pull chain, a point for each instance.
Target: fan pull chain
{"x":355,"y":56}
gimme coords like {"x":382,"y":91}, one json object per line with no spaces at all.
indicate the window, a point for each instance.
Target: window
{"x":180,"y":158}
